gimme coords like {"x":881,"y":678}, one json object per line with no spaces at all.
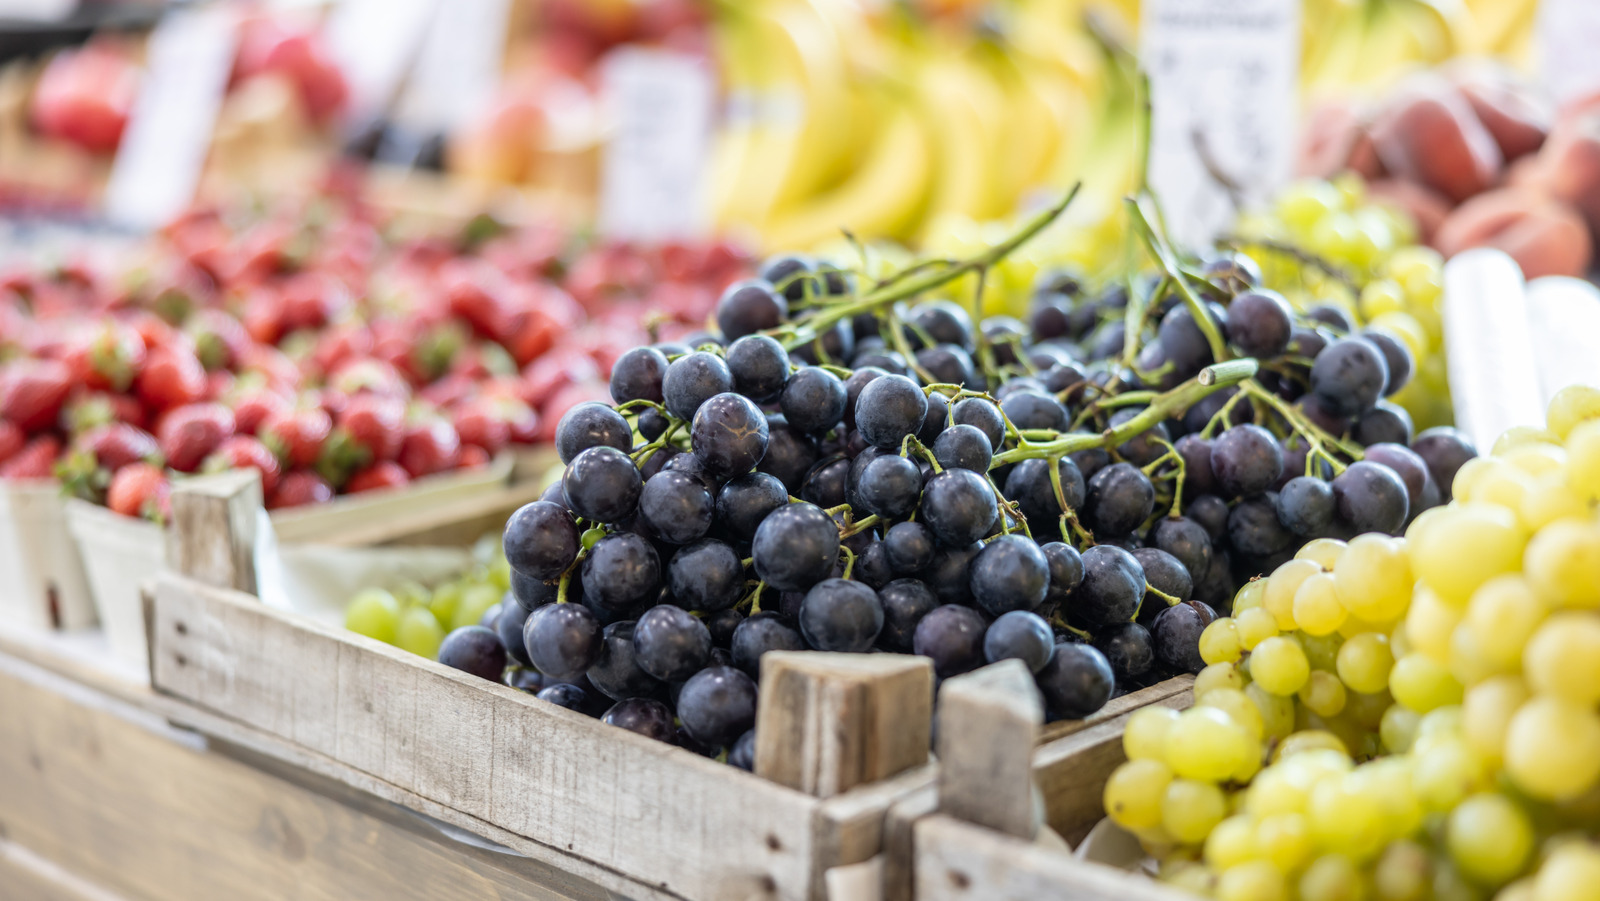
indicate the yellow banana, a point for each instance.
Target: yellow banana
{"x":962,"y":106}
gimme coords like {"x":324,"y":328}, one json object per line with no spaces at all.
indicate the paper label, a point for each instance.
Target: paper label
{"x":1224,"y":83}
{"x":1568,"y":32}
{"x":374,"y":43}
{"x":37,"y":10}
{"x":163,"y":150}
{"x":653,"y":178}
{"x":458,"y":67}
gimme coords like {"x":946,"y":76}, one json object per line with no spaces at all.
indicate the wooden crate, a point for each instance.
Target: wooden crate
{"x":983,"y":840}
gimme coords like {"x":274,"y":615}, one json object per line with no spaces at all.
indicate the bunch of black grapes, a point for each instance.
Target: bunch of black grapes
{"x":898,"y":481}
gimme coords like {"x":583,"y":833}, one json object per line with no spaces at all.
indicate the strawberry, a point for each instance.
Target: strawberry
{"x":556,"y":370}
{"x":376,"y":424}
{"x":219,"y":384}
{"x":32,"y":393}
{"x":479,"y":422}
{"x":339,"y":344}
{"x":522,"y":419}
{"x":107,"y":358}
{"x":311,"y":299}
{"x":263,"y":315}
{"x":369,"y":375}
{"x":473,"y":457}
{"x":449,"y":391}
{"x":280,"y":371}
{"x":532,"y":332}
{"x":219,"y":339}
{"x":34,"y":461}
{"x":140,"y":489}
{"x":245,"y":452}
{"x":189,"y":434}
{"x":298,"y":488}
{"x":297,"y":436}
{"x":260,"y":252}
{"x":476,"y":293}
{"x":430,"y":446}
{"x":118,"y":444}
{"x":383,"y":474}
{"x":86,"y":411}
{"x":252,"y":407}
{"x":172,"y":377}
{"x":11,"y":440}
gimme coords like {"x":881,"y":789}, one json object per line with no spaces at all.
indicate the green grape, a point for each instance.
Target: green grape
{"x":1204,"y":743}
{"x":1563,"y":657}
{"x":1281,"y":588}
{"x":1305,"y":741}
{"x":373,"y":612}
{"x":419,"y":633}
{"x":1303,"y":204}
{"x":1279,"y":665}
{"x":1486,"y":714}
{"x":1322,"y":651}
{"x":1135,"y":792}
{"x":1490,"y":839}
{"x":1284,"y":839}
{"x":1323,"y":551}
{"x":1572,"y":405}
{"x":1552,"y":748}
{"x":1466,"y":545}
{"x":1194,"y":878}
{"x":1390,"y":781}
{"x":1403,"y":872}
{"x":1218,"y":675}
{"x":1374,"y":578}
{"x":1502,"y":615}
{"x":1231,"y":843}
{"x":446,"y":598}
{"x":1439,"y":725}
{"x":1421,"y":683}
{"x":1550,"y":498}
{"x":1249,"y":596}
{"x":1469,"y":665}
{"x":1398,"y":729}
{"x":1364,"y":662}
{"x":1446,"y":773}
{"x":1256,"y":880}
{"x":1323,"y":694}
{"x":475,"y":600}
{"x":1239,"y":708}
{"x":1332,"y":877}
{"x":1277,"y":711}
{"x":1254,"y":626}
{"x":1570,"y":873}
{"x":411,"y":593}
{"x":1430,"y":621}
{"x":1316,"y":605}
{"x":1145,"y":737}
{"x":1219,"y":642}
{"x":1344,"y":818}
{"x":1366,"y":710}
{"x":1381,"y":295}
{"x":1583,"y":460}
{"x":1190,"y":809}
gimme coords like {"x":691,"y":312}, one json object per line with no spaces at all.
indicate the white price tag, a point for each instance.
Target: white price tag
{"x":1567,"y":32}
{"x":163,"y":151}
{"x":458,"y":67}
{"x":37,"y":10}
{"x":653,"y":177}
{"x":374,"y":42}
{"x":1224,"y":79}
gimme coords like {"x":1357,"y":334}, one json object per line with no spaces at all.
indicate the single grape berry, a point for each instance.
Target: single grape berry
{"x":669,"y":644}
{"x":616,"y":672}
{"x":1445,"y":450}
{"x":795,"y":547}
{"x":1349,"y":376}
{"x":1128,"y":649}
{"x":1187,"y":541}
{"x":746,"y":500}
{"x":1165,"y":574}
{"x":729,"y":435}
{"x":1010,"y":573}
{"x":964,"y":447}
{"x":693,"y":379}
{"x":958,"y":506}
{"x":1385,"y":423}
{"x":541,"y":541}
{"x":905,"y":603}
{"x":1396,"y":355}
{"x":637,"y":375}
{"x":1034,"y":410}
{"x":748,"y":307}
{"x":1076,"y":681}
{"x":1021,"y":635}
{"x":813,"y":400}
{"x":1176,"y":635}
{"x":1030,"y":486}
{"x":759,"y":366}
{"x":474,"y":650}
{"x":717,"y":705}
{"x":890,"y":486}
{"x":763,"y":632}
{"x":589,"y":425}
{"x":909,"y":547}
{"x":1066,"y":570}
{"x":676,"y":507}
{"x":1112,"y":585}
{"x":888,"y":409}
{"x":789,"y":273}
{"x":1370,"y":497}
{"x":1246,"y":460}
{"x":952,"y":636}
{"x":981,"y":415}
{"x":602,"y":485}
{"x":621,"y":570}
{"x":1254,"y":529}
{"x":790,"y":453}
{"x":706,"y":576}
{"x":841,"y":615}
{"x":1120,"y":498}
{"x":563,"y":640}
{"x":645,"y":716}
{"x":1260,"y":323}
{"x":946,"y":322}
{"x":1306,"y":507}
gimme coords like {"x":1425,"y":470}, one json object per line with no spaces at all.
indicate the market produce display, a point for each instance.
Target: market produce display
{"x":1400,"y":717}
{"x":313,"y":347}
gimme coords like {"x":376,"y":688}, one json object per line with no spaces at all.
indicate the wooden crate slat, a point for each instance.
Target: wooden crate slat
{"x":696,"y":828}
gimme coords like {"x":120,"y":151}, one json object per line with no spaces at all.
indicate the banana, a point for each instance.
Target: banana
{"x":962,"y":106}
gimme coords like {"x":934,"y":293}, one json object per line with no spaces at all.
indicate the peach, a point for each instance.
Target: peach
{"x":1544,"y":235}
{"x":1425,"y":207}
{"x":1511,"y":108}
{"x":1571,"y":161}
{"x":1429,"y":134}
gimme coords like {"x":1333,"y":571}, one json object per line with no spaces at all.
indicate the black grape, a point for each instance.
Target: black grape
{"x":475,"y":650}
{"x":589,"y":425}
{"x":1020,"y":635}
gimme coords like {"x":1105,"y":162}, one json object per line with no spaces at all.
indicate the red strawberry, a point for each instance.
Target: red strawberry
{"x":297,"y":436}
{"x":35,"y":461}
{"x":280,"y":371}
{"x":532,"y":333}
{"x":479,"y":422}
{"x":245,"y":452}
{"x":253,"y":407}
{"x":11,"y":440}
{"x":311,"y":299}
{"x":86,"y":411}
{"x":220,"y":340}
{"x":376,"y":423}
{"x":339,"y":344}
{"x":189,"y":434}
{"x":263,"y":315}
{"x":430,"y":446}
{"x":140,"y":489}
{"x":109,"y":357}
{"x":368,"y":374}
{"x":117,"y":444}
{"x":219,"y":384}
{"x":556,"y":370}
{"x":450,"y":391}
{"x":172,"y":377}
{"x":477,"y":294}
{"x":298,"y":488}
{"x":32,"y":393}
{"x":383,"y":474}
{"x":474,"y":457}
{"x":260,"y":252}
{"x":522,"y":419}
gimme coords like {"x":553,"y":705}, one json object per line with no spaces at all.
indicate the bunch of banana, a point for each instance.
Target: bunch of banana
{"x":1373,"y":43}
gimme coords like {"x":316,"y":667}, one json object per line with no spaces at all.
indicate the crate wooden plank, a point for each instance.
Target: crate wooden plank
{"x":989,"y":720}
{"x":451,"y":522}
{"x":214,"y":526}
{"x":29,"y":877}
{"x":695,"y":828}
{"x":959,"y":861}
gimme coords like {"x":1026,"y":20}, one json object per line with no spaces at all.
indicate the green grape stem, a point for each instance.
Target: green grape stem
{"x":1164,"y":254}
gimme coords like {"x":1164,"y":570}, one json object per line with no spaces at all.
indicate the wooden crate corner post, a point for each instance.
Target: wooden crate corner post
{"x":214,"y":528}
{"x":826,"y":723}
{"x":989,"y":720}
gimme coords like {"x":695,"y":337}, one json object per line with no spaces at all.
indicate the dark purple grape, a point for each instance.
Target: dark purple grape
{"x":1396,"y":355}
{"x":525,"y":678}
{"x":746,"y":500}
{"x":1246,"y":460}
{"x":1076,"y":682}
{"x":760,"y":633}
{"x":1234,"y":273}
{"x":1034,"y":410}
{"x":790,"y":453}
{"x":981,"y":415}
{"x":905,"y":602}
{"x":1385,"y":423}
{"x":729,"y":435}
{"x":813,"y":400}
{"x":646,"y":716}
{"x":888,"y":409}
{"x":1112,"y":585}
{"x":1066,"y":571}
{"x":835,"y":345}
{"x":1004,"y":334}
{"x":1254,"y":529}
{"x":693,"y":379}
{"x":669,"y":644}
{"x":1211,"y":513}
{"x":1128,"y":648}
{"x":958,"y":506}
{"x":953,"y":637}
{"x":1183,"y":343}
{"x":827,"y":483}
{"x":759,"y":366}
{"x":872,"y":566}
{"x":1306,"y":507}
{"x":1050,"y":316}
{"x":1322,"y":416}
{"x":890,"y":486}
{"x":1197,"y":476}
{"x":652,"y":425}
{"x":1444,"y":449}
{"x":948,"y":575}
{"x":1370,"y":497}
{"x":1089,"y":461}
{"x":541,"y":540}
{"x":854,"y":385}
{"x":565,"y":694}
{"x":676,"y":507}
{"x":1176,"y":635}
{"x":946,"y":322}
{"x":790,"y":274}
{"x":589,"y":425}
{"x":748,"y":307}
{"x":562,"y":640}
{"x":933,"y":422}
{"x":1029,"y":485}
{"x":621,"y":570}
{"x":508,"y":628}
{"x":1349,"y":376}
{"x":742,"y":753}
{"x":1187,"y":541}
{"x":964,"y":447}
{"x":1119,"y":499}
{"x":616,"y":672}
{"x":717,"y":705}
{"x":1407,"y":464}
{"x":1019,"y":635}
{"x":530,"y":592}
{"x":637,"y":375}
{"x":1010,"y":573}
{"x":490,"y":617}
{"x":909,"y":548}
{"x":841,"y":615}
{"x":602,"y":485}
{"x":1165,"y":573}
{"x":1216,"y":587}
{"x":475,"y":650}
{"x":1062,"y":378}
{"x":948,"y":364}
{"x":1260,"y":323}
{"x":706,"y":576}
{"x":881,"y":358}
{"x":795,"y":547}
{"x":1330,"y":315}
{"x":721,"y":625}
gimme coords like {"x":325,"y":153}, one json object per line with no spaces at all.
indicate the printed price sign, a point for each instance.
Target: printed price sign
{"x":163,"y":151}
{"x":375,"y":42}
{"x":1224,"y":78}
{"x":1568,"y":32}
{"x":458,"y":67}
{"x":653,"y":184}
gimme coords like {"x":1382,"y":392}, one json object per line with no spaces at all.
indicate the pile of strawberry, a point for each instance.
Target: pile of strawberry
{"x":315,"y":346}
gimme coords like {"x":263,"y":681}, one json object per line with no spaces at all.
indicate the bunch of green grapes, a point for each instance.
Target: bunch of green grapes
{"x":415,"y":618}
{"x":1401,"y":718}
{"x":1377,"y":277}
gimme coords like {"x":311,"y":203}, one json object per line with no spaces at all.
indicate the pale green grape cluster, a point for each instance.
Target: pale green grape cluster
{"x":416,"y":618}
{"x":1400,"y":719}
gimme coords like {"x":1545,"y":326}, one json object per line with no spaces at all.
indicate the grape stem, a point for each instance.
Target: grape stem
{"x":1169,"y":265}
{"x":1060,"y":622}
{"x":643,"y":454}
{"x":1319,"y":439}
